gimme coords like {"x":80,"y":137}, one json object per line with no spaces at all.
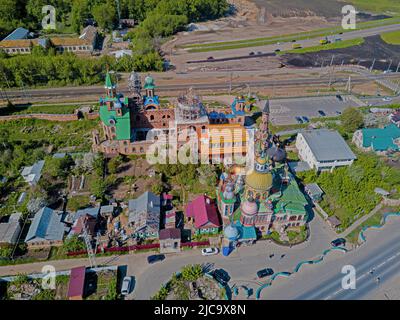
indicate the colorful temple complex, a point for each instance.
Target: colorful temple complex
{"x":132,"y":124}
{"x":264,"y":199}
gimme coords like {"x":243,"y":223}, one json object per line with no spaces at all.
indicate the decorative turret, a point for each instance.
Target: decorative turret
{"x":109,"y":86}
{"x":149,"y":86}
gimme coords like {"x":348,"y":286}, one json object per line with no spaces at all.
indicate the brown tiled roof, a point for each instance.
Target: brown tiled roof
{"x":59,"y":41}
{"x":170,"y":233}
{"x":21,"y":43}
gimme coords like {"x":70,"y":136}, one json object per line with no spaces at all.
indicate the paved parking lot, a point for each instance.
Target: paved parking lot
{"x":284,"y":111}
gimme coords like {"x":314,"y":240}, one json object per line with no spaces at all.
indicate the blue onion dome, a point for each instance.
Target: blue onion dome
{"x":231,"y":232}
{"x":228,"y":193}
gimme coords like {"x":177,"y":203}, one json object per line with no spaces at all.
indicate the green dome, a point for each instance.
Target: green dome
{"x":259,"y":181}
{"x":149,"y":83}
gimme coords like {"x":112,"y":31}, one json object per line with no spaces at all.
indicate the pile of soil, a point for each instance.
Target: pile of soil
{"x":373,"y":48}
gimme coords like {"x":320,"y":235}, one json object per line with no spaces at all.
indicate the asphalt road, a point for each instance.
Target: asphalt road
{"x":381,"y":253}
{"x":283,"y":46}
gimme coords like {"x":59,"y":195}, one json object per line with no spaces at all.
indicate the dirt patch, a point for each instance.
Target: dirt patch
{"x":373,"y":48}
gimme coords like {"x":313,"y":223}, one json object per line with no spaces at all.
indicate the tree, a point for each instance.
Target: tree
{"x":114,"y":163}
{"x":105,"y":15}
{"x":352,"y":119}
{"x":79,"y":12}
{"x":73,"y":243}
{"x":192,"y":272}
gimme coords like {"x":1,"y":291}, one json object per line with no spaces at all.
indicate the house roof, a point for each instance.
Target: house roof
{"x":381,"y":139}
{"x":91,"y":211}
{"x":170,"y":233}
{"x":19,"y":43}
{"x":204,"y":212}
{"x":65,"y":41}
{"x":314,"y":189}
{"x":9,"y":230}
{"x":107,"y":209}
{"x":292,"y":199}
{"x":334,"y":221}
{"x":76,"y":282}
{"x":89,"y":34}
{"x":46,"y":225}
{"x":33,"y":173}
{"x":19,"y":33}
{"x":327,"y":145}
{"x":145,"y":212}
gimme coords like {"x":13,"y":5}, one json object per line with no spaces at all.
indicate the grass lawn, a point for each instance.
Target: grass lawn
{"x":49,"y":109}
{"x":375,"y":220}
{"x":78,"y":202}
{"x":391,"y":37}
{"x":329,"y":46}
{"x":380,"y":6}
{"x":59,"y":134}
{"x":247,"y":43}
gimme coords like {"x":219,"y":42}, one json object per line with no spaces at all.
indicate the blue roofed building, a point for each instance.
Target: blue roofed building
{"x":379,"y":140}
{"x":33,"y":173}
{"x":46,"y":229}
{"x":18,"y":34}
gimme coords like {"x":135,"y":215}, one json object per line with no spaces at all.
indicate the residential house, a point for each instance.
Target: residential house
{"x":378,"y":140}
{"x":324,"y":149}
{"x":144,"y":215}
{"x":314,"y":191}
{"x":18,"y":34}
{"x":10,"y":229}
{"x":202,"y":212}
{"x":84,"y":44}
{"x":22,"y":46}
{"x":33,"y":173}
{"x":46,"y":230}
{"x":107,"y":211}
{"x":170,"y":240}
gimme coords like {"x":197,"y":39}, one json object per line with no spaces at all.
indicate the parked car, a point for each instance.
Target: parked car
{"x":338,"y":242}
{"x":265,"y":273}
{"x":299,"y":120}
{"x":338,"y":112}
{"x":259,"y":52}
{"x":321,"y":113}
{"x":155,"y":258}
{"x":305,"y":119}
{"x":209,"y":251}
{"x":210,"y":58}
{"x":294,"y":40}
{"x":126,"y":286}
{"x":339,"y":97}
{"x":277,"y":50}
{"x":221,"y":276}
{"x":387,"y":99}
{"x":251,"y":53}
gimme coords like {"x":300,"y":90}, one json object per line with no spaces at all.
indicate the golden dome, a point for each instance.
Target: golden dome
{"x":259,"y":181}
{"x":262,"y":160}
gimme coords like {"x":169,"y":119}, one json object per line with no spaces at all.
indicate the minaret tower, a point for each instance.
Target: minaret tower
{"x":110,"y":87}
{"x":262,"y":135}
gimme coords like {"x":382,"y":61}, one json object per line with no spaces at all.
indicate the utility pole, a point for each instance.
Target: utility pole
{"x":390,"y":64}
{"x":398,"y":67}
{"x":91,"y":253}
{"x":348,"y":85}
{"x":372,"y":66}
{"x":230,"y":83}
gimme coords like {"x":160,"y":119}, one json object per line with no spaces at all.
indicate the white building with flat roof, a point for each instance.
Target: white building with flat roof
{"x":324,"y":149}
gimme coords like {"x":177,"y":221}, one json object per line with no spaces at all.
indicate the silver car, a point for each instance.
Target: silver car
{"x":126,"y":286}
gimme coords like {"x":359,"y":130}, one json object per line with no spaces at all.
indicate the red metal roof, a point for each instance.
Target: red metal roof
{"x":76,"y":282}
{"x":204,"y":212}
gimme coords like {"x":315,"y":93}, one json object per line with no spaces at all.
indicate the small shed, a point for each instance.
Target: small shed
{"x":334,"y":222}
{"x":76,"y":283}
{"x":314,"y":191}
{"x":170,"y":240}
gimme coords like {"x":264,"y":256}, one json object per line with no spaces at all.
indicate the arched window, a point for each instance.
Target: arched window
{"x":151,"y":117}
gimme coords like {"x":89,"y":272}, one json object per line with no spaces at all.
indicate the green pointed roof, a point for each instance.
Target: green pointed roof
{"x":109,"y":84}
{"x":149,"y":83}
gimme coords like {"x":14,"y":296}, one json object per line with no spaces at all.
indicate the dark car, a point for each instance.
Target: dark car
{"x":338,"y":242}
{"x":210,"y":58}
{"x":251,"y":53}
{"x":265,"y":273}
{"x":155,"y":258}
{"x":339,"y":97}
{"x":305,"y":119}
{"x":299,"y":120}
{"x":277,"y":50}
{"x":322,"y":113}
{"x":221,"y":276}
{"x":294,"y":40}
